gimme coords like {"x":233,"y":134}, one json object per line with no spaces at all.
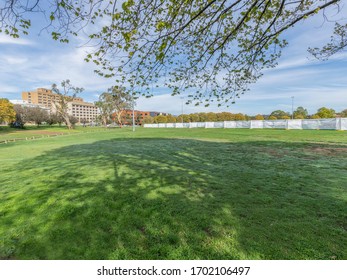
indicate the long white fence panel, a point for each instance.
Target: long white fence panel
{"x":229,"y":124}
{"x":343,"y":124}
{"x":332,"y":124}
{"x":295,"y":124}
{"x":257,"y":124}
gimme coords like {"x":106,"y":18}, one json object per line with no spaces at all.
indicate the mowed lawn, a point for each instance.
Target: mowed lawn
{"x":30,"y":132}
{"x":175,"y":194}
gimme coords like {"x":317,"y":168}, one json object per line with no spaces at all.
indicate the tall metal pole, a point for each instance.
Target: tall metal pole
{"x":133,"y":114}
{"x":182,"y":108}
{"x":292,"y":107}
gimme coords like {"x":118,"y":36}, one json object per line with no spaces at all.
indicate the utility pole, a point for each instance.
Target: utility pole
{"x":182,"y":98}
{"x":133,"y":103}
{"x":292,"y":107}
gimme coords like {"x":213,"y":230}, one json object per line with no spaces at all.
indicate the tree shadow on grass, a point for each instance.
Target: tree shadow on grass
{"x":175,"y":199}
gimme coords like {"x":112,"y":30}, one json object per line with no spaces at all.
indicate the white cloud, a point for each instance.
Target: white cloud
{"x":9,"y":89}
{"x":35,"y":69}
{"x":11,"y":60}
{"x":14,"y":41}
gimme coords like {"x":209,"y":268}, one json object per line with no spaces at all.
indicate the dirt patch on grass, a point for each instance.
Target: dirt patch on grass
{"x":44,"y":132}
{"x":326,"y":151}
{"x":306,"y":151}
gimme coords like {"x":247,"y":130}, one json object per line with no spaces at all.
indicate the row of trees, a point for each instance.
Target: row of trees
{"x":17,"y":115}
{"x":111,"y":104}
{"x":38,"y":116}
{"x":302,"y":113}
{"x":299,"y":113}
{"x":197,"y":117}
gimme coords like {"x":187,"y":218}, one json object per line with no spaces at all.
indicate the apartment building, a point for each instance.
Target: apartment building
{"x":83,"y":111}
{"x":41,"y":96}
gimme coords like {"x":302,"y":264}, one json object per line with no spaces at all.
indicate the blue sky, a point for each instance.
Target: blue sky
{"x":37,"y":61}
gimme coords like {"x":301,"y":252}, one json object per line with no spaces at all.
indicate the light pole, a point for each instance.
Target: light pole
{"x":292,"y":107}
{"x":182,"y":98}
{"x":133,"y":103}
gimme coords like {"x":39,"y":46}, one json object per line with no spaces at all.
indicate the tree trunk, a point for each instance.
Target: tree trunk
{"x":104,"y":120}
{"x":67,"y":121}
{"x":119,"y":119}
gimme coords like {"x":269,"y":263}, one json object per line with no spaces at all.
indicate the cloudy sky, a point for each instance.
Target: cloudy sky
{"x":37,"y":61}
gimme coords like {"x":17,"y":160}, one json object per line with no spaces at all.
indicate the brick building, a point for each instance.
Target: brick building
{"x":127,"y":116}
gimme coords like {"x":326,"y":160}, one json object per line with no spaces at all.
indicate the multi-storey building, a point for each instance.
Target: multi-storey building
{"x":139,"y":116}
{"x":154,"y":114}
{"x":83,"y":111}
{"x":41,"y":96}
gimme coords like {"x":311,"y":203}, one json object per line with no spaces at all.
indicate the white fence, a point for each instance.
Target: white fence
{"x":333,"y":124}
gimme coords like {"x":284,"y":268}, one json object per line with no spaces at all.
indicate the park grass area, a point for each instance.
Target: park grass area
{"x":175,"y":194}
{"x":8,"y":134}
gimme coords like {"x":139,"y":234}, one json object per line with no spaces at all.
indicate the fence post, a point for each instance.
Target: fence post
{"x":287,"y":124}
{"x":338,"y":124}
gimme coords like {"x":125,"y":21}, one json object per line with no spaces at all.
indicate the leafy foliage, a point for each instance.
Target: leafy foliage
{"x":21,"y":116}
{"x":171,"y":118}
{"x":37,"y":115}
{"x":199,"y":117}
{"x":279,"y":114}
{"x":160,"y":119}
{"x":120,"y":100}
{"x":106,"y":107}
{"x":214,"y":49}
{"x":338,"y":43}
{"x":300,"y":113}
{"x":148,"y":119}
{"x":259,"y":117}
{"x":326,"y":113}
{"x":7,"y":113}
{"x":54,"y":118}
{"x":66,"y":94}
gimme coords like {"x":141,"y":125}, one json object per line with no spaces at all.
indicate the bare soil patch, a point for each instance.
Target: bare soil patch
{"x":328,"y":151}
{"x":45,"y":132}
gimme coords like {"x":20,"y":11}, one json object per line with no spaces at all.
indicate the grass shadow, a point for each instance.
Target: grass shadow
{"x":155,"y":198}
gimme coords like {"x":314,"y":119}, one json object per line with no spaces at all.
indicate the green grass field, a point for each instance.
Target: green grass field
{"x":10,"y":134}
{"x":175,"y":194}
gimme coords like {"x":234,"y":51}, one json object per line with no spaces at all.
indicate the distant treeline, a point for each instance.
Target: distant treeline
{"x":299,"y":113}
